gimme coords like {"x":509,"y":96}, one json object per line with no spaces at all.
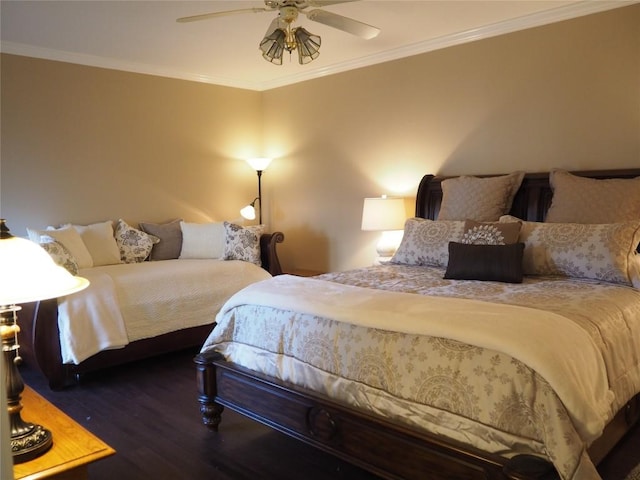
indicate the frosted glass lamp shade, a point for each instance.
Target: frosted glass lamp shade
{"x":248,"y":212}
{"x":259,"y":164}
{"x":383,"y":214}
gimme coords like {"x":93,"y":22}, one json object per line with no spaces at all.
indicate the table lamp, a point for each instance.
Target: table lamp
{"x":387,"y":215}
{"x":27,"y":274}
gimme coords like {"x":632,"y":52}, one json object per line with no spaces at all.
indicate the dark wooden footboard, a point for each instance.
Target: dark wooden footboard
{"x":40,"y":344}
{"x":388,"y":449}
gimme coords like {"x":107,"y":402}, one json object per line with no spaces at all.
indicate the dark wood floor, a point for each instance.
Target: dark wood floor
{"x":148,"y":412}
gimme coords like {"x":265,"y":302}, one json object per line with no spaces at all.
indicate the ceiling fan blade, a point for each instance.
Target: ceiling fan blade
{"x":345,"y":24}
{"x":206,"y":16}
{"x":324,"y":3}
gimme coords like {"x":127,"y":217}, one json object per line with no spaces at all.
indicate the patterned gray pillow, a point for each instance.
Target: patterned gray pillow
{"x":426,"y":242}
{"x":242,"y":243}
{"x":61,"y":255}
{"x":134,"y":245}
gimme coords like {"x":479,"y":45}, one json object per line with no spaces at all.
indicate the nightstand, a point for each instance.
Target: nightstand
{"x":74,"y":447}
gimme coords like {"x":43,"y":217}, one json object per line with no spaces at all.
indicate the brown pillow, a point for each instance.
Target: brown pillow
{"x":490,"y":233}
{"x":170,"y":235}
{"x":497,"y":263}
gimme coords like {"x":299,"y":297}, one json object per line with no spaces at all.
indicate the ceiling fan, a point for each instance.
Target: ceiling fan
{"x":281,"y":37}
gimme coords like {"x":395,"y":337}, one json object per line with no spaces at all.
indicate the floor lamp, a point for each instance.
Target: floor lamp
{"x":27,"y":274}
{"x":259,"y":165}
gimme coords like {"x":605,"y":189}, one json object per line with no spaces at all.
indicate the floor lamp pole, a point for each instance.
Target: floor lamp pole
{"x":259,"y":172}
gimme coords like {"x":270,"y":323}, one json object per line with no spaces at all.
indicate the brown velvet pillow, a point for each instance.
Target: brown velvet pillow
{"x":497,"y":263}
{"x":170,"y":235}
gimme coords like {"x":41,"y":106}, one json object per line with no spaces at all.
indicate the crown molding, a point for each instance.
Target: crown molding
{"x":574,"y":10}
{"x":567,"y":12}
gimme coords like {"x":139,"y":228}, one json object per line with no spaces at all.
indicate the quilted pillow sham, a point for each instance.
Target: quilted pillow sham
{"x":134,"y":245}
{"x":587,"y":200}
{"x":484,"y":199}
{"x":604,"y":252}
{"x":426,"y":242}
{"x":242,"y":243}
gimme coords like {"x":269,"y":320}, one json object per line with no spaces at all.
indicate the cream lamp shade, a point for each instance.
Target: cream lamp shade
{"x":385,"y":214}
{"x":248,"y":212}
{"x":259,"y":163}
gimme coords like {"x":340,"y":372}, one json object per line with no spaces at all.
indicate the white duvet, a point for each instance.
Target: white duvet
{"x":128,"y":302}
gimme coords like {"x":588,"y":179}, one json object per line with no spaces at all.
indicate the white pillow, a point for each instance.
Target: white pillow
{"x":101,"y":243}
{"x":70,"y":238}
{"x":202,"y":240}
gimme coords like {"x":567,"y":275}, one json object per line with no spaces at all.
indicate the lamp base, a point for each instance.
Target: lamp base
{"x":29,"y":441}
{"x":388,"y":243}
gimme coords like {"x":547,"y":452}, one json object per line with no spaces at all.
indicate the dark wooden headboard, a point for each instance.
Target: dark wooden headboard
{"x":530,"y":203}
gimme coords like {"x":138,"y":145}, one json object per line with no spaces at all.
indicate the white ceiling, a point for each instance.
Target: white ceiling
{"x":144,"y":37}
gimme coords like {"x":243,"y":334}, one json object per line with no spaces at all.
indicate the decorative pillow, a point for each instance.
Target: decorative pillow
{"x":170,"y":236}
{"x":481,"y":199}
{"x":490,"y":233}
{"x":588,"y":200}
{"x":202,"y":240}
{"x":426,"y":242}
{"x":242,"y":243}
{"x":134,"y":245}
{"x":598,"y":251}
{"x":70,"y":238}
{"x":497,"y":263}
{"x":61,"y":255}
{"x":99,"y":240}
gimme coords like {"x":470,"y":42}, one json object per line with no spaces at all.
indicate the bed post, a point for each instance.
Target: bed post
{"x":207,"y":389}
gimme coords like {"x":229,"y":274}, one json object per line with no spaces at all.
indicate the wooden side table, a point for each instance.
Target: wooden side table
{"x":74,"y":447}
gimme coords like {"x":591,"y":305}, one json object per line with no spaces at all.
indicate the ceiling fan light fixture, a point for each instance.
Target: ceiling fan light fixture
{"x":273,"y":46}
{"x":308,"y":45}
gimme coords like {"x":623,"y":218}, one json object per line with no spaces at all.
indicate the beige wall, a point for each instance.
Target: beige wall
{"x":83,"y":144}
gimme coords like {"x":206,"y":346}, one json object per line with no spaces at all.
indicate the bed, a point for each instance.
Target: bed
{"x":362,"y":365}
{"x":172,"y":303}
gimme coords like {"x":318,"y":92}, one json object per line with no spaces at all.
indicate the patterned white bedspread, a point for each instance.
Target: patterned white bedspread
{"x":465,"y":391}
